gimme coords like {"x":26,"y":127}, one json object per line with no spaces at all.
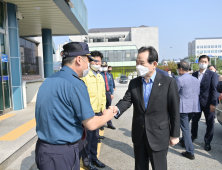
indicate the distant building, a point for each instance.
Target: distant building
{"x":58,"y":57}
{"x":208,"y":46}
{"x":120,"y":45}
{"x":165,"y":62}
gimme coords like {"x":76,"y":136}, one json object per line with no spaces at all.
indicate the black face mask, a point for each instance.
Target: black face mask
{"x":109,"y":71}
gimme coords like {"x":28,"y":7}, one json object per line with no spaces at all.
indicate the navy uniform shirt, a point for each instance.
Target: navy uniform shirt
{"x":62,"y":104}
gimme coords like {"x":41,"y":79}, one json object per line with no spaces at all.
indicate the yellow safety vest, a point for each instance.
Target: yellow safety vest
{"x":96,"y":90}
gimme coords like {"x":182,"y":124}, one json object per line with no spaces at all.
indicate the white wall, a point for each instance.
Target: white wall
{"x":32,"y":89}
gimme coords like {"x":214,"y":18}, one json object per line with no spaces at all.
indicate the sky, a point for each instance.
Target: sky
{"x":179,"y":21}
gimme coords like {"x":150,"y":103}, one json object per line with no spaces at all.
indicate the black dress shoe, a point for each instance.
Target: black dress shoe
{"x":182,"y":143}
{"x":188,"y":155}
{"x":207,"y":147}
{"x":101,"y":137}
{"x":98,"y":164}
{"x":90,"y":167}
{"x":111,"y":127}
{"x":193,"y":138}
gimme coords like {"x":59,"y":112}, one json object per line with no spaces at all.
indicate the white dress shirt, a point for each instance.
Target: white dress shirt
{"x":200,"y":75}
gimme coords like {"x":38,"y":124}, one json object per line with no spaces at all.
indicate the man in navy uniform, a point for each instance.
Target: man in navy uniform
{"x":109,"y":89}
{"x":62,"y":106}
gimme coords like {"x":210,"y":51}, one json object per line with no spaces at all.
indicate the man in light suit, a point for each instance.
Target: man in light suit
{"x":189,"y":91}
{"x":208,"y":100}
{"x":156,"y":117}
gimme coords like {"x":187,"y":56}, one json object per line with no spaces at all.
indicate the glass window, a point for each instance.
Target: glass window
{"x":1,"y":15}
{"x":128,"y":56}
{"x":29,"y":57}
{"x":219,"y":51}
{"x":201,"y":51}
{"x":215,"y":46}
{"x":110,"y":56}
{"x":133,"y":54}
{"x":212,"y":46}
{"x":198,"y":46}
{"x":197,"y":52}
{"x":215,"y":51}
{"x":119,"y":56}
{"x":219,"y":46}
{"x":2,"y":43}
{"x":201,"y":46}
{"x":212,"y":51}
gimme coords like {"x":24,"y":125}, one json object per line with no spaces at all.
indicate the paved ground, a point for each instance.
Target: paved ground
{"x":117,"y":147}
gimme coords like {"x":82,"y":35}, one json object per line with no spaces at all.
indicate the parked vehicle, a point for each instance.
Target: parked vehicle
{"x":219,"y":112}
{"x":123,"y":79}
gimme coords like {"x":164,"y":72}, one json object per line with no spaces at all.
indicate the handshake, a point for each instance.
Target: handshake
{"x":111,"y":112}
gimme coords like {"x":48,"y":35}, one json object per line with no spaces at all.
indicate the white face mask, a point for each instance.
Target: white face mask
{"x":105,"y":68}
{"x":141,"y":70}
{"x":85,"y":72}
{"x":95,"y":67}
{"x":101,"y":69}
{"x":203,"y":66}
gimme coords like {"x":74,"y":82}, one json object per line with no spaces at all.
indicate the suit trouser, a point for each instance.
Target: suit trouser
{"x":88,"y":147}
{"x":57,"y":157}
{"x":184,"y":124}
{"x":143,"y":152}
{"x":108,"y":103}
{"x":209,"y":117}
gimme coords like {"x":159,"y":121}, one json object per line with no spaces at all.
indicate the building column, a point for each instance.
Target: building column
{"x":15,"y":59}
{"x":47,"y":52}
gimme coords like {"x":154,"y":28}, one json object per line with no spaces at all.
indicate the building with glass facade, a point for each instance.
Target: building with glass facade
{"x":208,"y":46}
{"x":23,"y":56}
{"x":120,"y":45}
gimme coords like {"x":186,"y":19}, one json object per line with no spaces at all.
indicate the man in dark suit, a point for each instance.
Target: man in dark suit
{"x":162,"y":72}
{"x":208,"y":100}
{"x":171,"y":74}
{"x":156,"y":117}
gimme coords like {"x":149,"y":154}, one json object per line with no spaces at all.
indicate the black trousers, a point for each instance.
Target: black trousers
{"x":209,"y":117}
{"x":143,"y":152}
{"x":57,"y":157}
{"x":108,"y":103}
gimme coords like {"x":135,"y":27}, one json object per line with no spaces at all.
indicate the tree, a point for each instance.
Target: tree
{"x":195,"y":67}
{"x":170,"y":66}
{"x":192,"y":58}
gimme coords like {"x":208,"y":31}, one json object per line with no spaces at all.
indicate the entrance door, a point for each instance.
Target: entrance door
{"x":5,"y":99}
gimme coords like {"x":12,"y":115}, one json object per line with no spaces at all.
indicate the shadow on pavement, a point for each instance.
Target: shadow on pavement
{"x":26,"y":161}
{"x":123,"y":147}
{"x":211,"y":154}
{"x":126,"y":132}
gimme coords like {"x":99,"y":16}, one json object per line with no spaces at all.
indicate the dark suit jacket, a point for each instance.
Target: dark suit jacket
{"x":162,"y":117}
{"x":208,"y":88}
{"x":172,"y":74}
{"x":219,"y":87}
{"x":114,"y":86}
{"x":162,"y":72}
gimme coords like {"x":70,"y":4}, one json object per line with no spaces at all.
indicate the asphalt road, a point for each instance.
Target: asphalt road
{"x":117,"y":147}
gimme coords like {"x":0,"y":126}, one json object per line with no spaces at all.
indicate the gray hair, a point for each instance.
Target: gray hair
{"x":184,"y":65}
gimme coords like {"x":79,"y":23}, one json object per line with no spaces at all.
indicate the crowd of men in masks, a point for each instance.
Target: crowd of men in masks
{"x":198,"y":94}
{"x":75,"y":102}
{"x":100,"y":85}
